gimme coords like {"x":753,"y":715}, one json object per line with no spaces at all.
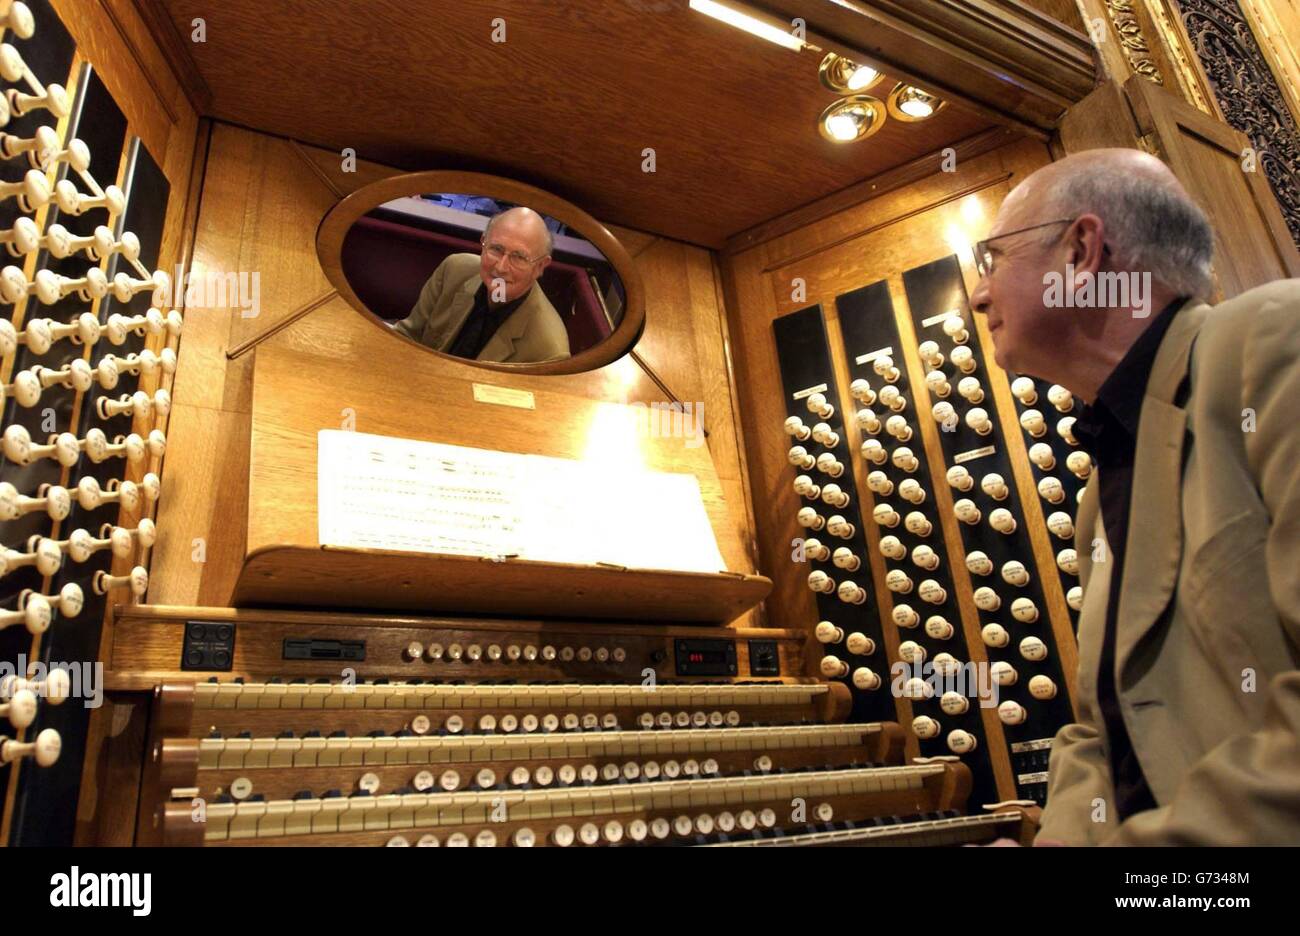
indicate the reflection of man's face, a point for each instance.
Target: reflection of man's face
{"x":513,"y":257}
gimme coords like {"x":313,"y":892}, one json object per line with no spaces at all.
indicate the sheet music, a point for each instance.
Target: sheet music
{"x":379,"y":492}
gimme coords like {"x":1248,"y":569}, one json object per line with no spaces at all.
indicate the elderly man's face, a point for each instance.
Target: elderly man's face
{"x":1026,"y":334}
{"x":512,"y":256}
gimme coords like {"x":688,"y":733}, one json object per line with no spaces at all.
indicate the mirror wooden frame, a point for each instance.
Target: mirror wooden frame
{"x":336,"y":224}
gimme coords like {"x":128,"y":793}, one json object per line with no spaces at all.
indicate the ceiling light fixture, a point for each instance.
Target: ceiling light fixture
{"x":845,"y":76}
{"x":767,"y":28}
{"x":852,"y":118}
{"x":910,"y":103}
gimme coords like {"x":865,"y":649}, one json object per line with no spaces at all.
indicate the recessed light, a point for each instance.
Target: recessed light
{"x":851,"y":118}
{"x":845,"y":76}
{"x":908,"y":102}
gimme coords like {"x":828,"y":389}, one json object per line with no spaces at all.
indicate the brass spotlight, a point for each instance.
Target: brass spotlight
{"x":908,"y":102}
{"x":852,"y":118}
{"x":844,"y":76}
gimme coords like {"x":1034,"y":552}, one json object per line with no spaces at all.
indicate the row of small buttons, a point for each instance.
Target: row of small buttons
{"x":513,"y":653}
{"x":572,"y":721}
{"x":613,"y":831}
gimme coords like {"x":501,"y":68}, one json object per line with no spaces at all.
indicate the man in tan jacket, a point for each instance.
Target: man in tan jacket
{"x":491,"y":307}
{"x":1188,"y":534}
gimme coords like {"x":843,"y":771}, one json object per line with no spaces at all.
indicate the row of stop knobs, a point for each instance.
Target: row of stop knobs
{"x":614,"y":832}
{"x":528,"y":653}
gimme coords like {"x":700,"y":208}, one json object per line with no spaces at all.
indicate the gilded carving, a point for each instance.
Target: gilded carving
{"x":1185,"y":70}
{"x":1130,"y":37}
{"x":1249,"y":95}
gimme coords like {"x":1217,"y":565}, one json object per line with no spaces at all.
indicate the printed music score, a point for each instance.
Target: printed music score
{"x":379,"y":492}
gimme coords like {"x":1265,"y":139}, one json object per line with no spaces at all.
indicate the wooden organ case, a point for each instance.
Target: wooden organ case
{"x":888,"y":646}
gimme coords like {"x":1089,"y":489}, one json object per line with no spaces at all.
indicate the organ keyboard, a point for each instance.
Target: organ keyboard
{"x":668,"y":812}
{"x":946,"y":830}
{"x":503,"y":748}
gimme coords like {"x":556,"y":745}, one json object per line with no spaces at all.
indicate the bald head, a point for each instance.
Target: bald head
{"x":516,"y":250}
{"x":1080,"y":256}
{"x":526,"y":223}
{"x":1151,"y":223}
{"x":1093,"y":163}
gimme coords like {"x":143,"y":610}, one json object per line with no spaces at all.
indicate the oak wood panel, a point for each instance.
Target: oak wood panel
{"x":568,"y":102}
{"x":329,"y":350}
{"x":148,"y":641}
{"x":1063,"y":11}
{"x":1252,"y":242}
{"x":907,"y":174}
{"x":366,"y":578}
{"x":106,"y":814}
{"x":111,"y":37}
{"x":1102,"y":119}
{"x":1110,"y":52}
{"x":173,"y":44}
{"x":199,"y":552}
{"x":263,"y":198}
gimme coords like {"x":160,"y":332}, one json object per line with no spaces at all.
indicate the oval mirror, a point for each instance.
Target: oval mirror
{"x":494,"y":272}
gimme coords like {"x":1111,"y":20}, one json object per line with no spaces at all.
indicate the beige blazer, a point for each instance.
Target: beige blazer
{"x":1210,"y":692}
{"x":533,"y":333}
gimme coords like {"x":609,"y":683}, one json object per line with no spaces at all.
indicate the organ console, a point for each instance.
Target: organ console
{"x":350,"y":583}
{"x":270,"y":760}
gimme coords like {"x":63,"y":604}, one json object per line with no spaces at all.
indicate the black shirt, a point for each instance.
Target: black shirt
{"x":481,"y":324}
{"x":1108,"y":429}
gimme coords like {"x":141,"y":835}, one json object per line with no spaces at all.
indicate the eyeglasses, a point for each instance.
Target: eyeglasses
{"x":984,"y":256}
{"x":517,"y":261}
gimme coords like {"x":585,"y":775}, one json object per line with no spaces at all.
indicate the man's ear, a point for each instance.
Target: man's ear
{"x":1085,"y":243}
{"x":545,"y":262}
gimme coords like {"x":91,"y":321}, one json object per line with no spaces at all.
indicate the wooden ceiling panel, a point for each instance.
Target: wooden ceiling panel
{"x":568,"y":102}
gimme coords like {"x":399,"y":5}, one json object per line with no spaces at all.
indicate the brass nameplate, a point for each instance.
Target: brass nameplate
{"x":973,"y":453}
{"x":504,"y":396}
{"x":872,"y":355}
{"x":1039,"y":744}
{"x":935,"y":319}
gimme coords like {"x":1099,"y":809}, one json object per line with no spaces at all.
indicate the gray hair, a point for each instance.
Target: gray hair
{"x":1150,"y":226}
{"x":550,"y":238}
